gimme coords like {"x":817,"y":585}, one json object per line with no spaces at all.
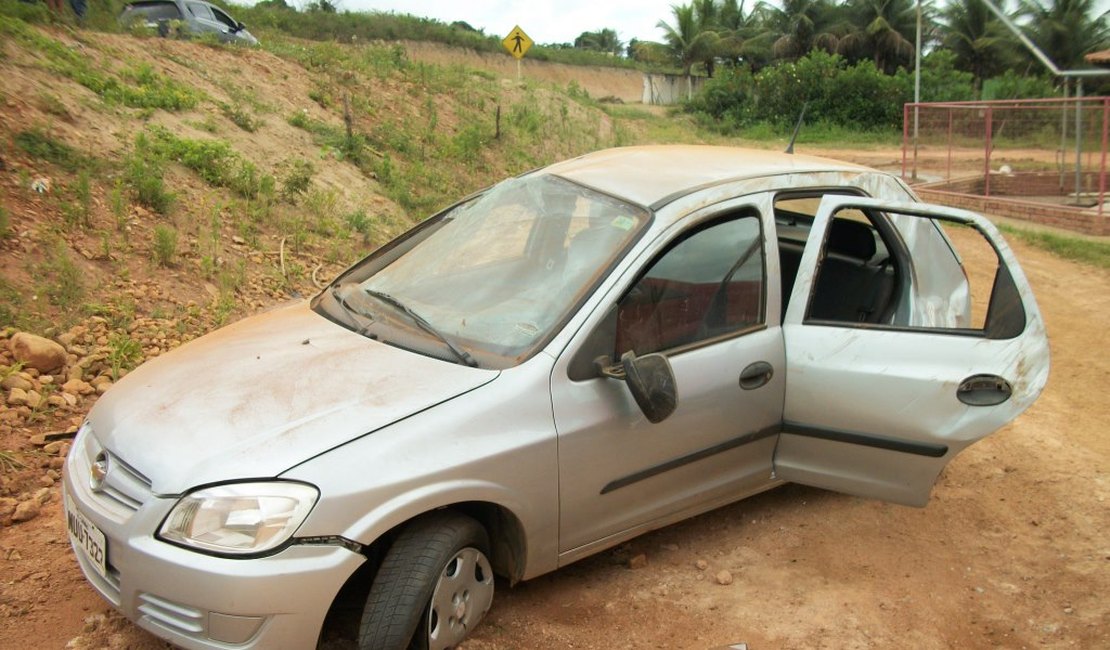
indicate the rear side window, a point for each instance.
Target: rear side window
{"x":201,"y":11}
{"x":707,"y":284}
{"x":154,"y":11}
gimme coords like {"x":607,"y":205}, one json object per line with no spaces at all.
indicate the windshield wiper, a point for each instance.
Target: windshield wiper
{"x":463,"y":355}
{"x":340,"y":293}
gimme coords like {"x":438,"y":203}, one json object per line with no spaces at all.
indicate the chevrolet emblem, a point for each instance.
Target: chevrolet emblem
{"x":98,"y":472}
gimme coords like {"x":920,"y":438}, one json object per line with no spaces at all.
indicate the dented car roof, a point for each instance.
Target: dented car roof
{"x":654,"y":175}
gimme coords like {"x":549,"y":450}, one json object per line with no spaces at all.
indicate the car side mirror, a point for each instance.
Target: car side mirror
{"x":650,"y":379}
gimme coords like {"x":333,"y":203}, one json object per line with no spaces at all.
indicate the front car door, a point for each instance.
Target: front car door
{"x":697,"y":294}
{"x":899,"y":360}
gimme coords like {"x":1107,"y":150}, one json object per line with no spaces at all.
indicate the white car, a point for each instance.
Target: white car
{"x":548,"y":368}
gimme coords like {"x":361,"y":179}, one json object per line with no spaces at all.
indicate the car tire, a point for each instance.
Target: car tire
{"x":434,"y":585}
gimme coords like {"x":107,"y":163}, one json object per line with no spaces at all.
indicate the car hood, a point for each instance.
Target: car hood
{"x":253,"y":399}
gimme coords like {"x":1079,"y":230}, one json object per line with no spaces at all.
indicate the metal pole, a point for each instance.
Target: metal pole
{"x":1063,"y":135}
{"x":948,"y":171}
{"x":987,"y":163}
{"x":916,"y":88}
{"x":905,"y":136}
{"x":1102,"y":165}
{"x":1078,"y":135}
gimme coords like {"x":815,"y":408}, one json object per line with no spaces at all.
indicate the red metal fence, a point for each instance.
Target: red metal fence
{"x":1048,"y":155}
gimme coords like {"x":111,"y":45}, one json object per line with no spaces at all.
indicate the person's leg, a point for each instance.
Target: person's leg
{"x":80,"y":7}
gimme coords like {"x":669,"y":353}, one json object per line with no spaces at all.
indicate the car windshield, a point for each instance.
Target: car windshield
{"x":495,"y":276}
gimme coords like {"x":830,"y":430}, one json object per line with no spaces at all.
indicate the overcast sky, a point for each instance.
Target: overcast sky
{"x":545,"y":21}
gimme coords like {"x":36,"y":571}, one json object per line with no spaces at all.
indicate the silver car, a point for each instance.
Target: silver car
{"x":188,"y":16}
{"x":548,"y":368}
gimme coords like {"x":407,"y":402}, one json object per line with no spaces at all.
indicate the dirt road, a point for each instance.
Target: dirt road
{"x":1012,"y":552}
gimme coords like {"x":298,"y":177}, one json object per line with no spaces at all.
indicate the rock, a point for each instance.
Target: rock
{"x":56,"y":401}
{"x":17,"y":397}
{"x":78,"y":387}
{"x":16,"y":381}
{"x":27,"y":511}
{"x":7,"y":507}
{"x":55,"y":448}
{"x":33,"y":399}
{"x":724,"y":577}
{"x":638,"y":561}
{"x":46,"y":481}
{"x":70,"y":399}
{"x":36,"y":352}
{"x":14,"y":555}
{"x":702,"y":565}
{"x":42,"y":495}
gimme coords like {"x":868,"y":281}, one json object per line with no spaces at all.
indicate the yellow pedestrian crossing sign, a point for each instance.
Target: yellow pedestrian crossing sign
{"x":517,"y":42}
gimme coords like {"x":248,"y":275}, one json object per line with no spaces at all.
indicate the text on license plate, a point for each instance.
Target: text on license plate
{"x":87,"y":537}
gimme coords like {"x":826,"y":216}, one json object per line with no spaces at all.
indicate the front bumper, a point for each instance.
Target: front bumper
{"x":191,"y":599}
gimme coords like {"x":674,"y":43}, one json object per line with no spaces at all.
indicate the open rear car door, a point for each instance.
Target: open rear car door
{"x":878,"y":403}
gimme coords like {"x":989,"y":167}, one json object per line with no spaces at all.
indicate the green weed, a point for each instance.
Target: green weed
{"x":124,"y":353}
{"x":41,"y":145}
{"x":60,"y":279}
{"x":5,"y":223}
{"x":164,"y":249}
{"x":241,"y":118}
{"x":359,"y":222}
{"x":298,"y":179}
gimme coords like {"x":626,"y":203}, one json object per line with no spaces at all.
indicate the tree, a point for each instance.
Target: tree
{"x":885,"y":32}
{"x":688,"y":41}
{"x":980,"y":42}
{"x":799,"y":27}
{"x":603,"y":40}
{"x":1066,"y":30}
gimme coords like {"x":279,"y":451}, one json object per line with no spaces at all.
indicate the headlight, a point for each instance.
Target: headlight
{"x":239,"y":518}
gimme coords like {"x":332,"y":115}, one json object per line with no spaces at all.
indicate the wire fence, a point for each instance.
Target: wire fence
{"x":1048,"y":152}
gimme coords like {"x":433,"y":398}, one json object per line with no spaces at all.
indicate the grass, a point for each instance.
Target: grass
{"x":60,"y":280}
{"x":5,"y":223}
{"x":124,"y":353}
{"x":214,"y":161}
{"x":39,"y":144}
{"x":1079,"y":249}
{"x":164,"y":250}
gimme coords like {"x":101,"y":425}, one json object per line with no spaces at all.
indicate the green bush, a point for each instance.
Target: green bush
{"x":858,"y":96}
{"x":165,"y":245}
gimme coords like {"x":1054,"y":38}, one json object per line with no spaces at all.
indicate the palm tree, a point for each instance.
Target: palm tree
{"x":799,"y":27}
{"x":979,"y":40}
{"x":687,"y":39}
{"x":885,"y":32}
{"x":1066,"y":30}
{"x":603,"y":40}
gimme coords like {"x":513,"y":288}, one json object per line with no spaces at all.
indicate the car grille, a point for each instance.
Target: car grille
{"x":123,"y":490}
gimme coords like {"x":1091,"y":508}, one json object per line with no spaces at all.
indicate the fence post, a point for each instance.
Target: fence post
{"x":989,"y":121}
{"x":948,"y":170}
{"x":1102,"y":164}
{"x":905,"y":135}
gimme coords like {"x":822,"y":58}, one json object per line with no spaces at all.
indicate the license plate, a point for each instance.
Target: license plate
{"x":87,"y":538}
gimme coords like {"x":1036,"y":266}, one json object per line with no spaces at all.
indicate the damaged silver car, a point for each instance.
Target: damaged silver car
{"x":548,"y":368}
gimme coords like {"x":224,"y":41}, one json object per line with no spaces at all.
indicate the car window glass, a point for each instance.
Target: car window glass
{"x":951,"y":278}
{"x":505,"y":269}
{"x":155,"y":11}
{"x":200,"y":10}
{"x":707,"y":284}
{"x":224,"y":18}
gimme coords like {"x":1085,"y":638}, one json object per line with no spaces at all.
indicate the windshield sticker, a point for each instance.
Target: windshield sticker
{"x":622,"y":222}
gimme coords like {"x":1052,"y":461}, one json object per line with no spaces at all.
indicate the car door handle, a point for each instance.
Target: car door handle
{"x":755,"y":375}
{"x":984,"y":390}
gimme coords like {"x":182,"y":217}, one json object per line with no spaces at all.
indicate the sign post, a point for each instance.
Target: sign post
{"x":517,"y":43}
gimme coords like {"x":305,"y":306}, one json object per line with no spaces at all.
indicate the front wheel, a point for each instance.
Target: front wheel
{"x":434,"y":586}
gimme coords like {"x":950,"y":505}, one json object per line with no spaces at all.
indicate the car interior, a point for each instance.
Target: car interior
{"x":857,"y":278}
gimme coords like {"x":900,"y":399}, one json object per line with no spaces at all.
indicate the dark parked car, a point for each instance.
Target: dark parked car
{"x":192,"y":16}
